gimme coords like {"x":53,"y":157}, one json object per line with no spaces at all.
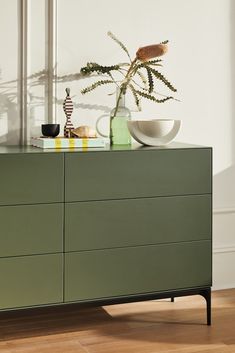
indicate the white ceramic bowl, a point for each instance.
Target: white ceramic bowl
{"x":158,"y":132}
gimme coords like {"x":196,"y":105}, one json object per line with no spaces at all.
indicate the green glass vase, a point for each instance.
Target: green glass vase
{"x":119,"y":133}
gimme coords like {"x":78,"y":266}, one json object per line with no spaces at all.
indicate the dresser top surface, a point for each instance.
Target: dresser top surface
{"x":133,"y":147}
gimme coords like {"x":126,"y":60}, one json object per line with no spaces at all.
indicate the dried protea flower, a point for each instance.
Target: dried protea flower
{"x":151,"y":51}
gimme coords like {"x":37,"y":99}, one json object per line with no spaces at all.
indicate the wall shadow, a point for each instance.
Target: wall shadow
{"x":9,"y":106}
{"x":9,"y":113}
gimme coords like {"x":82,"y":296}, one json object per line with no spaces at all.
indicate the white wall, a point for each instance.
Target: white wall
{"x":200,"y":62}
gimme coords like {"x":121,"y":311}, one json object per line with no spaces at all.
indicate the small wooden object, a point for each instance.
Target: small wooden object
{"x":68,"y":109}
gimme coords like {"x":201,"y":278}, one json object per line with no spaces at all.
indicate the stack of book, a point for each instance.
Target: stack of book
{"x":62,"y":142}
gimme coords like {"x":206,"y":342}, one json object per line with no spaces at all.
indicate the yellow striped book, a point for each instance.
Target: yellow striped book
{"x":61,"y":142}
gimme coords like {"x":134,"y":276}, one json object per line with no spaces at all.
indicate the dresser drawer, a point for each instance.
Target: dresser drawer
{"x":31,"y":178}
{"x":141,"y":173}
{"x":34,"y":229}
{"x":120,"y":223}
{"x":135,"y":270}
{"x":30,"y":280}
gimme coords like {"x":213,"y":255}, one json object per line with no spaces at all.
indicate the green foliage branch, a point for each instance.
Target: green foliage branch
{"x":144,"y":89}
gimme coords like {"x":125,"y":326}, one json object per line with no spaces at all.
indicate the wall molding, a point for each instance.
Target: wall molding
{"x":231,"y":247}
{"x":225,"y":249}
{"x":50,"y":65}
{"x":224,"y":210}
{"x":51,"y":60}
{"x":23,"y":71}
{"x":223,"y":268}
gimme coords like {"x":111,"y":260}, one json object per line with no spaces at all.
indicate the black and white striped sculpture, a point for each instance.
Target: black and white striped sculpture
{"x":68,"y":109}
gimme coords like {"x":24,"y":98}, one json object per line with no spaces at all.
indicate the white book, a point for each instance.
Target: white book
{"x":61,"y":142}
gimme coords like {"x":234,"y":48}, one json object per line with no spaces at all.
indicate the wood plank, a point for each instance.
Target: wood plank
{"x":146,"y":327}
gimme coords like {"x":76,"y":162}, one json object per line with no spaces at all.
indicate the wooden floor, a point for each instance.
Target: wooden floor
{"x":146,"y":327}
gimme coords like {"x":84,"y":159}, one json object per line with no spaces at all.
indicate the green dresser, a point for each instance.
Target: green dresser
{"x":105,"y":226}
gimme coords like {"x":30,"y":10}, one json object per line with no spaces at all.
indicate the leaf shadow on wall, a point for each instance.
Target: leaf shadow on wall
{"x":78,"y":77}
{"x":10,"y":107}
{"x":224,"y":181}
{"x":9,"y":113}
{"x":41,"y":79}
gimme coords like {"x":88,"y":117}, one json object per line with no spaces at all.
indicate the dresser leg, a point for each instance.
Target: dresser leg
{"x":172,"y":299}
{"x":207,"y":295}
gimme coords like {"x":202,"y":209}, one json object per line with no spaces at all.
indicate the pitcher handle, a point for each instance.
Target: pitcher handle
{"x":97,"y":123}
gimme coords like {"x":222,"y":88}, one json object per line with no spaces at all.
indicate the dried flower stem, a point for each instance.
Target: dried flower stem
{"x":143,"y":60}
{"x":123,"y":87}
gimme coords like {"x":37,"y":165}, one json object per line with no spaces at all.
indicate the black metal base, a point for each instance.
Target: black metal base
{"x":207,"y":295}
{"x":205,"y":292}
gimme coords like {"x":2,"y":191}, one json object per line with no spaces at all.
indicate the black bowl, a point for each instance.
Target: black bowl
{"x":50,"y":130}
